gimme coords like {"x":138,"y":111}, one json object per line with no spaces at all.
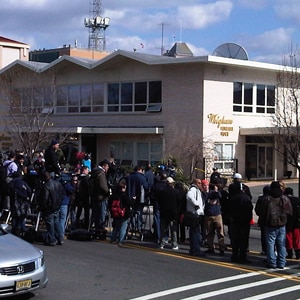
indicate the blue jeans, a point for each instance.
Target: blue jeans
{"x":139,"y":211}
{"x":119,"y":227}
{"x":63,"y":212}
{"x":195,"y":241}
{"x":53,"y":228}
{"x":72,"y":217}
{"x":99,"y":214}
{"x":275,"y":238}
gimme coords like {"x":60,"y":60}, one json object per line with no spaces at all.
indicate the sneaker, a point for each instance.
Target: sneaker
{"x":270,"y":266}
{"x":175,"y":248}
{"x":161,"y":246}
{"x":280,"y":267}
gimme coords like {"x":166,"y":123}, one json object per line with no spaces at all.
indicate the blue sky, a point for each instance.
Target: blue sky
{"x":267,"y":29}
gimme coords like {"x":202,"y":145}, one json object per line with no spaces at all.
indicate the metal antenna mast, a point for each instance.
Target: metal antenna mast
{"x":97,"y":26}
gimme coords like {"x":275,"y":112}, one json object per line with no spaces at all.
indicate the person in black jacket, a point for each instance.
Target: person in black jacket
{"x":293,"y":225}
{"x":51,"y":159}
{"x":240,"y":210}
{"x":83,"y":197}
{"x":158,"y":186}
{"x":120,"y":223}
{"x":169,"y":210}
{"x":266,"y":191}
{"x":20,"y":193}
{"x":50,"y":199}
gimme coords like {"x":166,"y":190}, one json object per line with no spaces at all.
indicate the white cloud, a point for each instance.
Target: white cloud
{"x":276,"y":39}
{"x":255,"y":4}
{"x":31,"y":4}
{"x":200,"y":16}
{"x":288,"y":10}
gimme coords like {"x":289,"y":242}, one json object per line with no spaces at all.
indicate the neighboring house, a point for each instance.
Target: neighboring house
{"x":133,"y":106}
{"x":11,"y":50}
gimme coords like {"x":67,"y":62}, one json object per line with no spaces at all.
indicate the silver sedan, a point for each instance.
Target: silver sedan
{"x":22,"y":266}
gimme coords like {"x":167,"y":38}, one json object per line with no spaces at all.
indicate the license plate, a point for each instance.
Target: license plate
{"x":23,"y":284}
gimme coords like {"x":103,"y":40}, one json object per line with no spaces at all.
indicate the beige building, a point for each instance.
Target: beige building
{"x":49,"y":55}
{"x":11,"y":50}
{"x":137,"y":107}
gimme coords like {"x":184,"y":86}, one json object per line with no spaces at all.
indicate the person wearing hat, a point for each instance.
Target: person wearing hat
{"x":274,"y":211}
{"x":240,"y":213}
{"x":169,"y":210}
{"x":51,"y":159}
{"x":237,"y":179}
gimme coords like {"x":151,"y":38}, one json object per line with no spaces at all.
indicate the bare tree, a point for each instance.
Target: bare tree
{"x":286,"y":119}
{"x":28,"y":107}
{"x":189,"y":149}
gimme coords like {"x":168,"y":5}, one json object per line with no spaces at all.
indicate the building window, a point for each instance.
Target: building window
{"x":90,"y":98}
{"x":223,"y":157}
{"x":137,"y":96}
{"x":253,"y":98}
{"x":136,"y":152}
{"x":98,"y":97}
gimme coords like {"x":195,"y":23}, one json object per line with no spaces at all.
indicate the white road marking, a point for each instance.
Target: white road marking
{"x":234,"y":289}
{"x":274,"y":293}
{"x":195,"y":286}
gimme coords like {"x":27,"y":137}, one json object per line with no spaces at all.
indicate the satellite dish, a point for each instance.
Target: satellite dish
{"x":231,"y":50}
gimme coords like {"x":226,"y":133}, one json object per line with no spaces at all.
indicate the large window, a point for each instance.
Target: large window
{"x":134,"y":96}
{"x":92,"y":98}
{"x":253,"y":98}
{"x":83,"y":98}
{"x":223,"y":157}
{"x":136,"y":152}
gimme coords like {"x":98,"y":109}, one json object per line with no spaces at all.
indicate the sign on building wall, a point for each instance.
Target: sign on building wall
{"x":223,"y":124}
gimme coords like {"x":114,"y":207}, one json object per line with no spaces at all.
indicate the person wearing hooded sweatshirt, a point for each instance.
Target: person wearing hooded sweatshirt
{"x":194,"y":204}
{"x":274,"y":211}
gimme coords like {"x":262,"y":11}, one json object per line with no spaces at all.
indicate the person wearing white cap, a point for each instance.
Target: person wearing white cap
{"x":237,"y":178}
{"x":169,"y":209}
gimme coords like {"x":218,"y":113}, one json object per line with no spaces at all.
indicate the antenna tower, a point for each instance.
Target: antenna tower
{"x":97,"y":26}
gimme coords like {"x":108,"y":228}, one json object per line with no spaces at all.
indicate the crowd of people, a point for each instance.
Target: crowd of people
{"x":91,"y":193}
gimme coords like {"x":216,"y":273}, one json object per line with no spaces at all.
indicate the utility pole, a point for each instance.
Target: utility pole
{"x":162,"y":39}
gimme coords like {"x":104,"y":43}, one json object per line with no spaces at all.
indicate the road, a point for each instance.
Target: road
{"x":100,"y":270}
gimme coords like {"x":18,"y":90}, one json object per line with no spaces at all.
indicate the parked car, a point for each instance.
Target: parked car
{"x":22,"y":266}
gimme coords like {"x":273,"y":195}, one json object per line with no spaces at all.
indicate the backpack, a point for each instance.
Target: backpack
{"x":116,"y":210}
{"x":276,"y":217}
